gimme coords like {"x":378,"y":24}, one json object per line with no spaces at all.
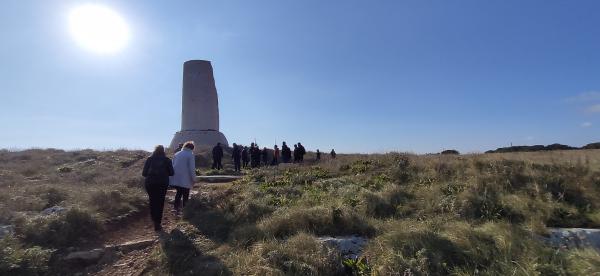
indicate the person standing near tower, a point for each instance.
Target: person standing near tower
{"x":245,"y":157}
{"x":286,"y":153}
{"x":236,"y":155}
{"x":318,"y":155}
{"x":157,"y":169}
{"x":275,"y":161}
{"x":301,"y":152}
{"x":184,"y":165}
{"x":217,"y":155}
{"x":333,"y":154}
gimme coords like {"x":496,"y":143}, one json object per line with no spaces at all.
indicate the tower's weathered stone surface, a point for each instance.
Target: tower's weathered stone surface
{"x":200,"y":106}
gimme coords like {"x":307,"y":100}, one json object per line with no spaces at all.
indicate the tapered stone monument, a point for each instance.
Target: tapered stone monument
{"x":200,"y":107}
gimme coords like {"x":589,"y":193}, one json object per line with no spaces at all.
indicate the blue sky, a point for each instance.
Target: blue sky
{"x":358,"y":76}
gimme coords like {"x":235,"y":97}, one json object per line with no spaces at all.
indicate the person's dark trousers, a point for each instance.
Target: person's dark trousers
{"x":183,"y":194}
{"x":217,"y":164}
{"x":156,"y":195}
{"x":237,"y":164}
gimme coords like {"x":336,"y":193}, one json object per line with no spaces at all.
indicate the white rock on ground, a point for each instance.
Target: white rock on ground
{"x":53,"y":210}
{"x":85,"y":256}
{"x":349,"y":246}
{"x":6,"y":230}
{"x":570,"y":238}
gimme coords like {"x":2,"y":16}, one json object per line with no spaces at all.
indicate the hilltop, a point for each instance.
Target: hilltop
{"x":419,"y":215}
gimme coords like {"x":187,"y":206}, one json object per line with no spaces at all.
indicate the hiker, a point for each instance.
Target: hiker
{"x":254,"y":156}
{"x":245,"y":157}
{"x":318,"y":155}
{"x":184,"y":164}
{"x":236,"y":155}
{"x":265,"y":156}
{"x":157,"y":169}
{"x":296,"y":153}
{"x":301,"y":152}
{"x":217,"y":155}
{"x":286,"y":153}
{"x":332,"y":154}
{"x":275,"y":161}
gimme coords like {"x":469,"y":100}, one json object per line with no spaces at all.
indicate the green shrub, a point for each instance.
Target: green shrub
{"x":54,"y":196}
{"x":74,"y":228}
{"x":15,"y":259}
{"x":318,"y":220}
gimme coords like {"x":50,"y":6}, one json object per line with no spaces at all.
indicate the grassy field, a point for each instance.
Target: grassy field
{"x":423,"y":215}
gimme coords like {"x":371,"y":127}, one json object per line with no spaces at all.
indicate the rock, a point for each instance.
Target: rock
{"x":6,"y":230}
{"x":349,"y":246}
{"x":571,"y":238}
{"x":217,"y":178}
{"x":91,"y":256}
{"x":53,"y":210}
{"x":133,"y":245}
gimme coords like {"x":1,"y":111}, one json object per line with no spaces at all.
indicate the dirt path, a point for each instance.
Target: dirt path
{"x":141,"y":228}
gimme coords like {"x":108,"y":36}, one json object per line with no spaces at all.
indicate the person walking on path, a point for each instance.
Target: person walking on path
{"x":286,"y":153}
{"x":275,"y":161}
{"x":157,"y":169}
{"x":301,"y":152}
{"x":184,"y":164}
{"x":236,"y":155}
{"x":333,"y":154}
{"x":217,"y":155}
{"x":245,"y":157}
{"x":318,"y":155}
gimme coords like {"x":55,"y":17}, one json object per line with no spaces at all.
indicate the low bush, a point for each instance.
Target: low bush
{"x":16,"y":259}
{"x":75,"y":227}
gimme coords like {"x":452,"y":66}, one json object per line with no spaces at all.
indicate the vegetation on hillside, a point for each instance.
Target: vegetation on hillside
{"x":423,"y":215}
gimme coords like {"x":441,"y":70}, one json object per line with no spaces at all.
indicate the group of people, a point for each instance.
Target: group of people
{"x":161,"y":172}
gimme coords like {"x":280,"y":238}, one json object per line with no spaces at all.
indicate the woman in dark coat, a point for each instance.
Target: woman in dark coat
{"x":157,"y":169}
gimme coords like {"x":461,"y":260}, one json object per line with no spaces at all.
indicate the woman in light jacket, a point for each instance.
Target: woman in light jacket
{"x":184,"y":164}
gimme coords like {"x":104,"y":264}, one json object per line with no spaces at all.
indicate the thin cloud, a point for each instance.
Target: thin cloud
{"x":593,"y":109}
{"x":586,"y":124}
{"x":585,"y":97}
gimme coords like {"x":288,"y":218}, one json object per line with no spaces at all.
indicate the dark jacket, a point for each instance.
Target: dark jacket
{"x":236,"y":154}
{"x":157,"y":170}
{"x":217,"y":152}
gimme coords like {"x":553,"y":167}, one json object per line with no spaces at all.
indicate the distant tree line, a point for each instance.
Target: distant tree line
{"x":543,"y":148}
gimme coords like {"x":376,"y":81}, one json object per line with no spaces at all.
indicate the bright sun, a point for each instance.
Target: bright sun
{"x":98,"y":28}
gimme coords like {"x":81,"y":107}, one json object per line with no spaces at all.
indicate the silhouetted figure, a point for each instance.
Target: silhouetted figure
{"x":275,"y":156}
{"x":286,"y":153}
{"x":332,"y":154}
{"x":254,"y":156}
{"x":318,"y":155}
{"x":179,"y":147}
{"x":301,"y":153}
{"x":217,"y":155}
{"x":296,"y":158}
{"x":184,"y":165}
{"x":236,"y":155}
{"x":265,"y":156}
{"x":245,"y":157}
{"x":157,"y":169}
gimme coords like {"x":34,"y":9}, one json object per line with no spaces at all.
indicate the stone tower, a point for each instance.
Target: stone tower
{"x":200,"y":107}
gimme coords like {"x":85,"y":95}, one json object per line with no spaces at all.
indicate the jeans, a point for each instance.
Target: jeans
{"x":182,"y":193}
{"x":156,"y":196}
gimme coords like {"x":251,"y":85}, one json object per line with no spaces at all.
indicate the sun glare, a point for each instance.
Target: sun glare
{"x":98,"y":28}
